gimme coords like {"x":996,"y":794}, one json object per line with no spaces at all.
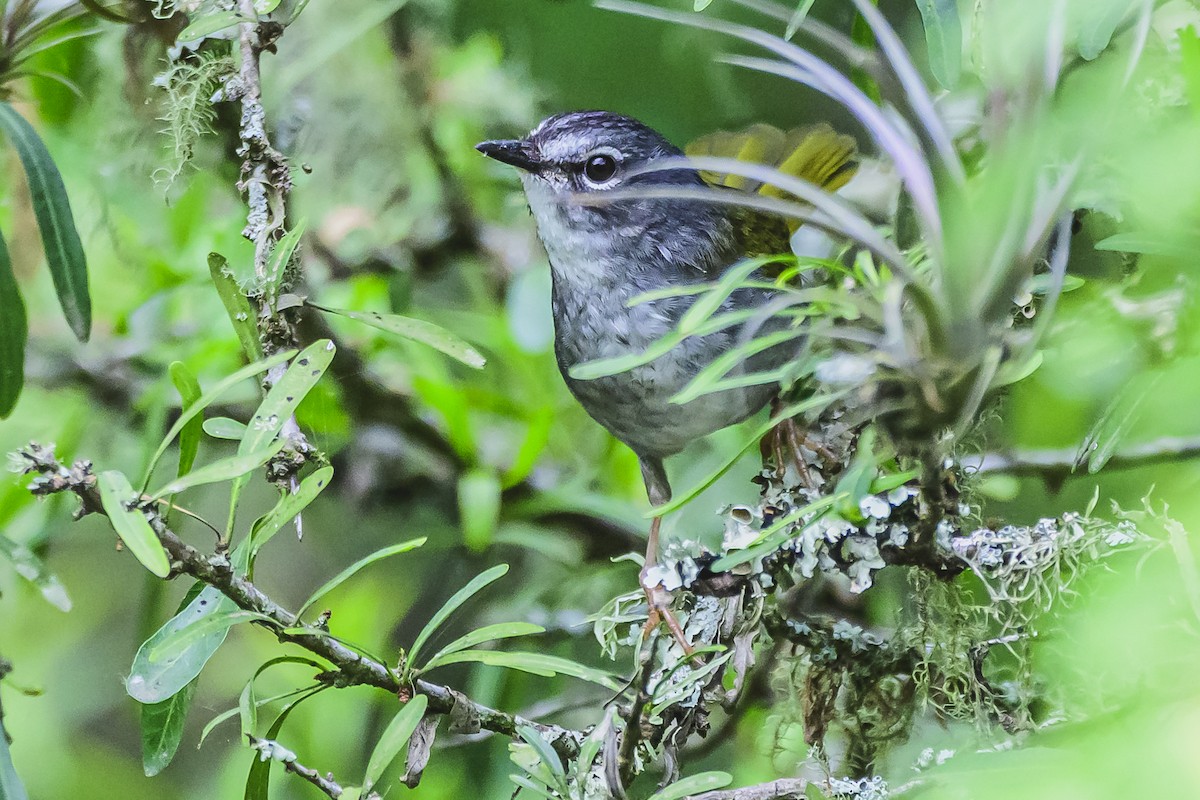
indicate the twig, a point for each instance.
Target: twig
{"x":350,"y":668}
{"x":1035,"y":462}
{"x":325,"y":783}
{"x":782,"y":789}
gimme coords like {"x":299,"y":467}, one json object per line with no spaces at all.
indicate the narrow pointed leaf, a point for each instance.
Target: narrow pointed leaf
{"x":680,"y":500}
{"x":798,"y":17}
{"x":281,"y":256}
{"x":258,"y":780}
{"x":289,"y":506}
{"x":64,"y":251}
{"x":281,"y":401}
{"x":229,"y":714}
{"x":461,"y":596}
{"x":14,"y":330}
{"x":394,"y":739}
{"x":248,"y":702}
{"x":544,"y":751}
{"x":695,"y":784}
{"x":162,"y":729}
{"x":350,"y":571}
{"x":130,"y":523}
{"x":237,"y":306}
{"x":208,"y":398}
{"x":189,"y":393}
{"x":488,"y":633}
{"x":418,"y":330}
{"x":225,"y":469}
{"x":535,"y":664}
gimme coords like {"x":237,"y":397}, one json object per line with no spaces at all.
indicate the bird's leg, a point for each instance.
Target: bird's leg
{"x":786,"y":436}
{"x":658,"y":599}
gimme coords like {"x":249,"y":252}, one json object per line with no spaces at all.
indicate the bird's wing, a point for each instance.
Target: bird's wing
{"x":817,"y":154}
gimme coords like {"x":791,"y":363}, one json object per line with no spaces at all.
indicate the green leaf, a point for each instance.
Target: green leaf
{"x":64,"y":252}
{"x":14,"y":330}
{"x":394,"y":739}
{"x":281,"y":401}
{"x":258,"y":780}
{"x":530,"y":785}
{"x":264,"y":7}
{"x":169,"y":648}
{"x":224,"y":469}
{"x":155,"y":680}
{"x":189,"y":392}
{"x":545,"y":754}
{"x":162,"y":729}
{"x":208,"y":25}
{"x":289,"y":506}
{"x":488,"y":633}
{"x":710,"y":302}
{"x":130,"y":523}
{"x":11,"y":787}
{"x":248,"y":704}
{"x":236,"y":710}
{"x":604,"y":367}
{"x":34,"y":570}
{"x":224,"y":428}
{"x":1110,"y":430}
{"x":679,"y":500}
{"x":478,"y":507}
{"x":943,"y":39}
{"x":281,"y":256}
{"x":207,"y":399}
{"x":695,"y":784}
{"x":237,"y":306}
{"x":450,"y":606}
{"x":1150,"y":243}
{"x":1189,"y":64}
{"x":534,"y":663}
{"x":708,"y":379}
{"x":350,"y":571}
{"x":1099,"y":25}
{"x":417,"y":330}
{"x":798,"y":17}
{"x":700,"y":5}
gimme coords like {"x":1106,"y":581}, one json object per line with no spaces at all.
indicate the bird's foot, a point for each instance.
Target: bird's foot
{"x":787,"y":444}
{"x":658,"y":600}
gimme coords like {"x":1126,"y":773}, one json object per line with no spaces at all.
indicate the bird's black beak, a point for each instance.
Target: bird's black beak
{"x":517,"y":152}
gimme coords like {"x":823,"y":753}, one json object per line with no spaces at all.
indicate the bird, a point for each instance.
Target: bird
{"x":603,"y":254}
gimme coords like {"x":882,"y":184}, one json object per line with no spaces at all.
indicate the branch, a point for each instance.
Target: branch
{"x":782,"y":789}
{"x":350,"y":667}
{"x":1038,"y":462}
{"x":271,"y":749}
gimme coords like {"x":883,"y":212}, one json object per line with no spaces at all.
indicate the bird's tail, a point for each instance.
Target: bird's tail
{"x":817,"y":154}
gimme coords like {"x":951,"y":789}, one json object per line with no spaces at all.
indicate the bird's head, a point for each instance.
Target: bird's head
{"x":570,"y":164}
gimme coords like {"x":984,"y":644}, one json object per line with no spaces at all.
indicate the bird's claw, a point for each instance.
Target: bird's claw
{"x":658,"y":600}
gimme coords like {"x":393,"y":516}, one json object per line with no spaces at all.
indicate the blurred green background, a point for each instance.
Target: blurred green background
{"x":383,"y":102}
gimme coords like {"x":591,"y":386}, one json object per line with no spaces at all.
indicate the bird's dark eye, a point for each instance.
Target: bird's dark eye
{"x":600,"y":168}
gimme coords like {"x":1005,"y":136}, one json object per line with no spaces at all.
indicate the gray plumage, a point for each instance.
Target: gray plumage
{"x":602,"y":255}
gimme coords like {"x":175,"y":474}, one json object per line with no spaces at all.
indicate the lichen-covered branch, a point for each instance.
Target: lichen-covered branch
{"x":349,"y":667}
{"x":782,"y":789}
{"x":272,"y":749}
